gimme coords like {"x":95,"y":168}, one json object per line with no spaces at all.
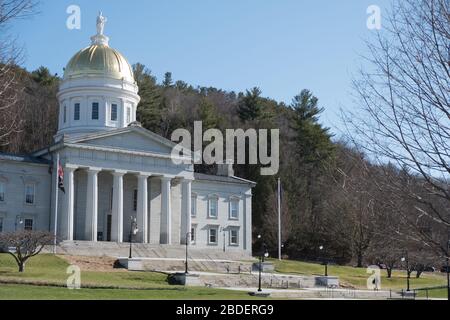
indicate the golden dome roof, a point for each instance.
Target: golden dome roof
{"x":99,"y":60}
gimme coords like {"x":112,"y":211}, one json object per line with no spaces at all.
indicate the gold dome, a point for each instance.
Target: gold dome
{"x":99,"y":60}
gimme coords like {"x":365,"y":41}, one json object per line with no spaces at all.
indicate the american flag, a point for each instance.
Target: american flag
{"x":61,"y":177}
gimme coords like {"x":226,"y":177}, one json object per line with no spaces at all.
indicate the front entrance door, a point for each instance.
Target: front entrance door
{"x":108,"y":227}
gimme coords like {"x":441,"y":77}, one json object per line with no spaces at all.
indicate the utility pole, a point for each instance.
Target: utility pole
{"x":279,"y":219}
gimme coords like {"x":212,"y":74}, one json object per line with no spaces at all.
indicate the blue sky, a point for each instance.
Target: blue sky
{"x":280,"y":46}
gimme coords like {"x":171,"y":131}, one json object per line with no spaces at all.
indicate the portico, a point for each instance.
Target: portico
{"x":103,"y":222}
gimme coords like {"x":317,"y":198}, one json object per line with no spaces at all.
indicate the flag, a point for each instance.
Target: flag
{"x":61,"y":177}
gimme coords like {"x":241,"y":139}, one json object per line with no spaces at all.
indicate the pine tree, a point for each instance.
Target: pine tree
{"x":168,"y":82}
{"x":149,"y":111}
{"x":313,"y":141}
{"x":249,"y":107}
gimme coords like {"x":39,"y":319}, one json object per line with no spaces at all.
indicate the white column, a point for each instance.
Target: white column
{"x":117,"y":207}
{"x":69,"y":188}
{"x":166,"y":212}
{"x":186,"y":194}
{"x":142,"y":206}
{"x":248,"y":222}
{"x":92,"y":204}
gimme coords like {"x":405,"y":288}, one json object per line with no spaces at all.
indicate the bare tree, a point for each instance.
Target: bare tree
{"x":405,"y":109}
{"x":10,"y":57}
{"x":25,"y":245}
{"x":354,"y":200}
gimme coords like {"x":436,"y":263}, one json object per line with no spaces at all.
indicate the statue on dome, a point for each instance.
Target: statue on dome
{"x":101,"y":20}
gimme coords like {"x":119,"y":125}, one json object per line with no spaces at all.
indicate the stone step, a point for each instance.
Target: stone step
{"x":113,"y":249}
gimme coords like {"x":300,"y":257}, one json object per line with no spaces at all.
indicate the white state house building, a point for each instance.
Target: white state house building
{"x":115,"y":171}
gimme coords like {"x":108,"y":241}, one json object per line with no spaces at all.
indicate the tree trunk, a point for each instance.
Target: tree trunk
{"x":360,"y":260}
{"x":21,"y":266}
{"x":418,"y":274}
{"x":389,"y":272}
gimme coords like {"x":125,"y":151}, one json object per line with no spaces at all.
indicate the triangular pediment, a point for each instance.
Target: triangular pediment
{"x":131,"y":138}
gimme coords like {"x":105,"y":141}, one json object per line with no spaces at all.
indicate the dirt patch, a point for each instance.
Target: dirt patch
{"x":93,"y":263}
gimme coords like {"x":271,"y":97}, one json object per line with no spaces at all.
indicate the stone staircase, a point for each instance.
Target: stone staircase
{"x":161,"y":257}
{"x":249,"y":280}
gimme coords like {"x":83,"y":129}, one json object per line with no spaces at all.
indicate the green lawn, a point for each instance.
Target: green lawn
{"x":357,"y":277}
{"x":29,"y":292}
{"x":49,"y":269}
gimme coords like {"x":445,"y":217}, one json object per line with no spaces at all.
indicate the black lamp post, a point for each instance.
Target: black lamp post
{"x":447,"y":268}
{"x":223,"y":231}
{"x":408,"y":274}
{"x":325,"y":262}
{"x":133,"y":231}
{"x":187,"y":245}
{"x":264,"y":254}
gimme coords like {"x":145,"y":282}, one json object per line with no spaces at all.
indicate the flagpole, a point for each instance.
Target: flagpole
{"x":56,"y":203}
{"x":279,"y":219}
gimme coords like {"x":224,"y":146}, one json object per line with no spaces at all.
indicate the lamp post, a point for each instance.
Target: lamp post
{"x":223,"y":231}
{"x":447,"y":268}
{"x":406,"y":260}
{"x":325,"y":262}
{"x":133,"y":231}
{"x":18,"y":220}
{"x":188,"y":234}
{"x":264,"y":254}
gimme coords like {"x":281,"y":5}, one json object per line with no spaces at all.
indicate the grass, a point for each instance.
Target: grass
{"x":357,"y":277}
{"x":30,"y":292}
{"x":45,"y":277}
{"x":51,"y":270}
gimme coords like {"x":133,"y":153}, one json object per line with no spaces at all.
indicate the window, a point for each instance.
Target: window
{"x":193,"y":235}
{"x":135,"y":195}
{"x":212,"y":236}
{"x":95,"y":111}
{"x":76,"y":111}
{"x":29,"y":193}
{"x":65,"y":114}
{"x":114,"y":112}
{"x":128,"y":115}
{"x":234,"y":209}
{"x":212,"y":207}
{"x":193,"y":205}
{"x":28,"y":225}
{"x":2,"y":191}
{"x":1,"y":224}
{"x":234,"y":237}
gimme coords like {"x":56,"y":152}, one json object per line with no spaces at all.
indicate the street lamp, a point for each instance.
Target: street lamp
{"x":447,"y":268}
{"x":406,"y":260}
{"x":264,"y":254}
{"x":18,"y":220}
{"x":188,"y":234}
{"x":325,"y":262}
{"x":223,"y":231}
{"x":133,"y":231}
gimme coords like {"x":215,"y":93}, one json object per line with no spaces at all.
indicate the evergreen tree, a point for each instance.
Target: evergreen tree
{"x":313,"y":141}
{"x":168,"y":82}
{"x":208,"y":114}
{"x":249,"y":107}
{"x":149,"y":111}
